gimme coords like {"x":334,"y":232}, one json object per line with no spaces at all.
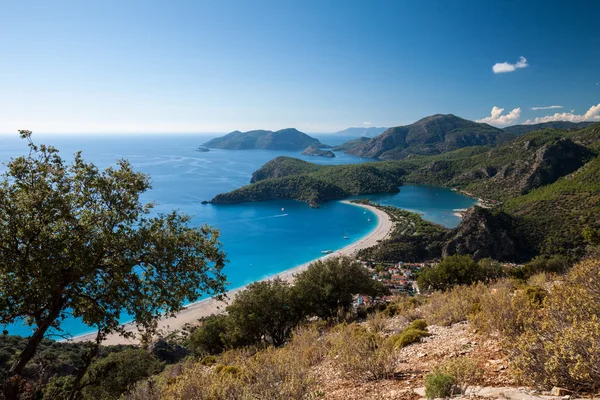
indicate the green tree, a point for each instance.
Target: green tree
{"x":326,"y":288}
{"x":208,"y":337}
{"x":451,"y":271}
{"x":112,"y":376}
{"x":78,"y":241}
{"x":267,"y":310}
{"x":490,"y":269}
{"x":557,"y":264}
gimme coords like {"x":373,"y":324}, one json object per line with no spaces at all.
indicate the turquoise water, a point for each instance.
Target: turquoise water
{"x":260,"y":239}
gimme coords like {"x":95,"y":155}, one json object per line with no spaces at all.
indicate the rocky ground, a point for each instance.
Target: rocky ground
{"x":417,"y":360}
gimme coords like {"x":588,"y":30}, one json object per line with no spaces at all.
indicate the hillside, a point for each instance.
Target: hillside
{"x":361,"y":131}
{"x":351,"y":144}
{"x":284,"y":139}
{"x":562,"y":125}
{"x":429,"y":136}
{"x":286,"y":178}
{"x":509,"y":170}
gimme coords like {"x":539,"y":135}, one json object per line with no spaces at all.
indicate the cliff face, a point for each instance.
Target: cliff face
{"x":315,"y":151}
{"x":429,"y":136}
{"x":483,"y":233}
{"x":284,"y":139}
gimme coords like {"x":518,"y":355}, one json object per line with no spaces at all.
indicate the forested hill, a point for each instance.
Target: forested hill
{"x":429,"y":136}
{"x":547,"y":181}
{"x":284,"y":139}
{"x":563,"y":125}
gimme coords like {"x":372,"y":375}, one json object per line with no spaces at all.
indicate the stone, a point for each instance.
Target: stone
{"x":557,"y":391}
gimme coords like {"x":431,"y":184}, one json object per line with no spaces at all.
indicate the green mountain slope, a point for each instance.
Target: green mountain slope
{"x":563,"y":125}
{"x":429,"y":136}
{"x":284,"y":139}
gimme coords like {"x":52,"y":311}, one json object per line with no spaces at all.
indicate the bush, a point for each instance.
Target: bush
{"x":438,"y":385}
{"x":409,"y":336}
{"x":455,"y":305}
{"x":452,"y":271}
{"x":361,"y":354}
{"x":560,"y":346}
{"x":505,"y":310}
{"x":208,"y":337}
{"x":463,"y":370}
{"x":418,"y":324}
{"x":274,"y":373}
{"x":377,"y":322}
{"x":109,"y":377}
{"x":208,"y":361}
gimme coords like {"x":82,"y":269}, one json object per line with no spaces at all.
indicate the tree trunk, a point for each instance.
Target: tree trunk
{"x":11,"y":386}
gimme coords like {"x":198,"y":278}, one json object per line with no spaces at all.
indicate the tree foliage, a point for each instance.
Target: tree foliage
{"x":264,"y":311}
{"x":457,"y":270}
{"x":326,"y":287}
{"x":77,"y":241}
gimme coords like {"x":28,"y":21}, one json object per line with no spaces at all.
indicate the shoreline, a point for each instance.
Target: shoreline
{"x":205,"y":307}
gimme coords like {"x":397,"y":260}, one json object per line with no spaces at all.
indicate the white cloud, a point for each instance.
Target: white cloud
{"x":500,"y":68}
{"x":593,"y":114}
{"x":545,"y":108}
{"x":498,"y":119}
{"x":367,"y":123}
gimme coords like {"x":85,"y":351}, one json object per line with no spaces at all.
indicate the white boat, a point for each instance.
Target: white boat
{"x":327,"y":251}
{"x":346,"y":235}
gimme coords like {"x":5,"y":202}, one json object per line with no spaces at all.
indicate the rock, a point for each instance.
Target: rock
{"x":205,"y":202}
{"x":557,"y":391}
{"x":483,"y":233}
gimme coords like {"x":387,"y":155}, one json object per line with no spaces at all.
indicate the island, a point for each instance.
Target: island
{"x":289,"y":139}
{"x":202,"y":149}
{"x":315,"y":151}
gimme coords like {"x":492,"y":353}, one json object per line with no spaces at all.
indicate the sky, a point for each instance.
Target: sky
{"x":316,"y":65}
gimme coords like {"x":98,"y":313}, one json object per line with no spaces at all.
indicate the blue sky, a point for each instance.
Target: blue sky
{"x":319,"y":66}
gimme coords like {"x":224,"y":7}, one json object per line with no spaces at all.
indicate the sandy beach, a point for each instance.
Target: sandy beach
{"x":192,"y":312}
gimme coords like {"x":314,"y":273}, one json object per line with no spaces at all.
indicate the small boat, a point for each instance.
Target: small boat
{"x":327,"y":251}
{"x":346,"y":235}
{"x":369,"y":220}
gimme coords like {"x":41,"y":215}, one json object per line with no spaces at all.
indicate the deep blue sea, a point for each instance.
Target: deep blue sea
{"x":260,"y":239}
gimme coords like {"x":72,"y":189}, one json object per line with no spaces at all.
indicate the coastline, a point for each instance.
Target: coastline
{"x":203,"y":308}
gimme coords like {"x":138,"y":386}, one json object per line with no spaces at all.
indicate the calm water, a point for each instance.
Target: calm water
{"x":260,"y":239}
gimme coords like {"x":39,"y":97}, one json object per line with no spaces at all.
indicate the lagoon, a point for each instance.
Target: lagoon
{"x":260,"y":239}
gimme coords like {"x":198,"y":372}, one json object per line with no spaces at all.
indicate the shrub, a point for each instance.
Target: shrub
{"x":409,"y":336}
{"x":377,"y":322}
{"x":438,"y":385}
{"x":506,"y":311}
{"x":109,"y":377}
{"x":561,"y":344}
{"x":418,"y":324}
{"x":361,"y":354}
{"x":308,"y":343}
{"x":464,"y":370}
{"x":208,"y":361}
{"x":208,"y":337}
{"x":455,"y":305}
{"x":273,"y":373}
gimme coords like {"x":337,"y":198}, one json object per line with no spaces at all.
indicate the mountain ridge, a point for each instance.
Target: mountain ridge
{"x":431,"y":135}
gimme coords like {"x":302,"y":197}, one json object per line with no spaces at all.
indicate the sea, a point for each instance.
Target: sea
{"x":260,"y":239}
